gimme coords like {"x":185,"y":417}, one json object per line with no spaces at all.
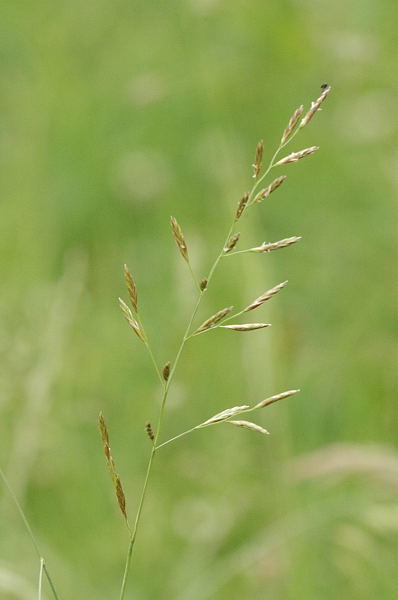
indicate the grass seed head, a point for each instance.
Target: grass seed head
{"x":128,"y":315}
{"x":264,"y":193}
{"x":249,"y":425}
{"x":241,"y":205}
{"x":275,"y":398}
{"x":131,"y":288}
{"x":294,"y":119}
{"x":179,"y":238}
{"x":121,"y":498}
{"x":166,"y":371}
{"x":295,"y":156}
{"x":149,"y":431}
{"x":315,"y":105}
{"x":258,"y":159}
{"x":225,"y":414}
{"x":203,"y":285}
{"x":246,"y":326}
{"x":266,"y":296}
{"x":214,"y":319}
{"x":268,"y":247}
{"x":233,"y":240}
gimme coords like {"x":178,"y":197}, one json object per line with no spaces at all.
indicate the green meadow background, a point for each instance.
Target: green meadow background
{"x":116,"y":115}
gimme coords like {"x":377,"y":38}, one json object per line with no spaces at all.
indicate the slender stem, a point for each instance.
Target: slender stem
{"x":239,"y":252}
{"x":176,"y":437}
{"x":40,"y":578}
{"x":29,"y":530}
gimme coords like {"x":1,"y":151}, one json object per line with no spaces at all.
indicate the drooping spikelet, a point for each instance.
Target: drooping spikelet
{"x":128,"y":315}
{"x":121,"y":499}
{"x":249,"y":425}
{"x":246,"y":326}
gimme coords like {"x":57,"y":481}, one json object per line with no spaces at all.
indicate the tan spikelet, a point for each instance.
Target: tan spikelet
{"x":246,"y":326}
{"x":266,"y":296}
{"x":214,"y":319}
{"x":295,"y":156}
{"x":268,"y":247}
{"x":149,"y":431}
{"x":264,"y":193}
{"x":258,"y":159}
{"x":241,"y":205}
{"x":128,"y":315}
{"x":131,"y":288}
{"x":233,"y":240}
{"x":179,"y":238}
{"x":225,"y":414}
{"x":249,"y":425}
{"x":294,"y":119}
{"x":315,"y":106}
{"x":111,"y":465}
{"x":203,"y":285}
{"x":275,"y":398}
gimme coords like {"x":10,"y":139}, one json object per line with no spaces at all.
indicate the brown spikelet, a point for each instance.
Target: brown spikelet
{"x":315,"y":106}
{"x":166,"y":371}
{"x":149,"y":431}
{"x":294,"y":119}
{"x":179,"y":238}
{"x":295,"y":156}
{"x":268,"y":247}
{"x":121,"y":498}
{"x":246,"y":326}
{"x":249,"y":425}
{"x":131,"y":288}
{"x":264,"y":193}
{"x":128,"y":315}
{"x":233,"y":240}
{"x":111,"y":465}
{"x":266,"y":296}
{"x":258,"y":159}
{"x":241,"y":205}
{"x":275,"y":398}
{"x":203,"y":285}
{"x":214,"y":319}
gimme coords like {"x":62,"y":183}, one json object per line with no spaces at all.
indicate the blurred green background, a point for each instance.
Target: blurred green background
{"x":116,"y":115}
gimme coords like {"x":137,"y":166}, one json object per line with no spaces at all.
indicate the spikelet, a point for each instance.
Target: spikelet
{"x":121,"y":499}
{"x":294,"y":119}
{"x":241,"y":205}
{"x":203,"y":285}
{"x":315,"y":106}
{"x":275,"y":398}
{"x":295,"y":156}
{"x":268,"y":247}
{"x":131,"y":288}
{"x":225,"y":414}
{"x":258,"y":159}
{"x":179,"y":238}
{"x":149,"y":431}
{"x":214,"y":319}
{"x":128,"y":315}
{"x":249,"y":425}
{"x":233,"y":240}
{"x":266,"y":296}
{"x":246,"y":326}
{"x":166,"y":371}
{"x":264,"y":193}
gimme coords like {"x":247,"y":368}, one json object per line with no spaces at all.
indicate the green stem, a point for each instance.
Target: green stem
{"x":30,"y":532}
{"x":40,"y":578}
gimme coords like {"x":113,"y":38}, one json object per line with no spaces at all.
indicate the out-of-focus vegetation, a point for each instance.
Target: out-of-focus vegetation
{"x":114,"y":116}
